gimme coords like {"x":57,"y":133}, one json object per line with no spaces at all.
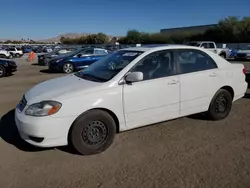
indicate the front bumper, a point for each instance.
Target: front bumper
{"x":43,"y":131}
{"x":54,"y":67}
{"x":11,"y":68}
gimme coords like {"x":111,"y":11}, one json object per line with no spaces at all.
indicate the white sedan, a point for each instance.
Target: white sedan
{"x":130,"y":88}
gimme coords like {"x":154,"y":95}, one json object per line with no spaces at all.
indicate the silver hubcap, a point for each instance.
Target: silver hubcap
{"x":68,"y":68}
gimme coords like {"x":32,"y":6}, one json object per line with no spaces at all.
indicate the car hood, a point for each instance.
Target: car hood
{"x":59,"y":88}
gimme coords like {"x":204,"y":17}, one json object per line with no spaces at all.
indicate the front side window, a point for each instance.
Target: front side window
{"x":193,"y":61}
{"x":156,"y":65}
{"x":106,"y":68}
{"x":205,"y":45}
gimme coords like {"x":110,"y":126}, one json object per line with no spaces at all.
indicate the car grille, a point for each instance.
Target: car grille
{"x":22,"y":104}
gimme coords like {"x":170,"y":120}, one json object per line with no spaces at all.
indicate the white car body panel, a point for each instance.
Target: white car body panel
{"x":5,"y":52}
{"x":134,"y":105}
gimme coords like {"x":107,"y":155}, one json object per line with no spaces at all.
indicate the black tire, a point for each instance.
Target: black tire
{"x":3,"y":56}
{"x":92,"y":132}
{"x":68,"y":68}
{"x":223,"y":55}
{"x":18,"y":55}
{"x":2,"y":71}
{"x":220,"y":105}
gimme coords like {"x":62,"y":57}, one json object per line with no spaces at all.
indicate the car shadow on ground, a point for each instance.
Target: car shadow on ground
{"x":36,"y":64}
{"x":9,"y":133}
{"x":47,"y":71}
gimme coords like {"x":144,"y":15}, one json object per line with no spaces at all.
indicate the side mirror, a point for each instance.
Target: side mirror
{"x":134,"y":77}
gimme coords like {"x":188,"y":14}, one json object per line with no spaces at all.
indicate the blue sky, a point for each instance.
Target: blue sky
{"x":49,"y":18}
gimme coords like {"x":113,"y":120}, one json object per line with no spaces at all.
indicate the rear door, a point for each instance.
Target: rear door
{"x":199,"y":80}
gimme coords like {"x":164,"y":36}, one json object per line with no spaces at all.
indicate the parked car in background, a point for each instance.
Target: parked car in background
{"x":47,"y":49}
{"x":37,"y":49}
{"x":128,"y":89}
{"x":26,"y":49}
{"x":223,"y":52}
{"x":43,"y":59}
{"x":244,"y":53}
{"x":7,"y":67}
{"x":15,"y":52}
{"x":76,"y":60}
{"x":5,"y":54}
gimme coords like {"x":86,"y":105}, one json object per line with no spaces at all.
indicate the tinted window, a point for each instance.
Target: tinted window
{"x":205,"y":45}
{"x":211,"y":45}
{"x":12,"y":49}
{"x":194,"y":60}
{"x":156,"y":65}
{"x":100,"y":52}
{"x":18,"y":49}
{"x":88,"y":51}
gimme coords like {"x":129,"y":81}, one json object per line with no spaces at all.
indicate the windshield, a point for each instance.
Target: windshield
{"x":193,"y":44}
{"x":109,"y":66}
{"x":75,"y":52}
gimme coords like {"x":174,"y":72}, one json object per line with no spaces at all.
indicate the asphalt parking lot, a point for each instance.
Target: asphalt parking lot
{"x":185,"y":153}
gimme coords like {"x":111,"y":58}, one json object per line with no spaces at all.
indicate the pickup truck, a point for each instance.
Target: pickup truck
{"x":223,"y":52}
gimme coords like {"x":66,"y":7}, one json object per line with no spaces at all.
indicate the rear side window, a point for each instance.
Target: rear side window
{"x":193,"y":61}
{"x":211,"y":45}
{"x":100,"y":52}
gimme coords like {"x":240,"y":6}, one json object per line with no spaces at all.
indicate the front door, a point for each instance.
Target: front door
{"x":155,"y":98}
{"x":199,"y":78}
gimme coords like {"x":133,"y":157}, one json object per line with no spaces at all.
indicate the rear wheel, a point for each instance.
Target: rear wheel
{"x":18,"y":55}
{"x":68,"y":68}
{"x":220,"y":105}
{"x":2,"y":71}
{"x":93,"y":132}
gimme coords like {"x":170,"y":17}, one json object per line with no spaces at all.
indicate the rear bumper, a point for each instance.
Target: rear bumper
{"x":240,"y":90}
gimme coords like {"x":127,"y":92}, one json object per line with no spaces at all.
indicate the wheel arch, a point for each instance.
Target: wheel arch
{"x":229,"y":89}
{"x":111,"y":113}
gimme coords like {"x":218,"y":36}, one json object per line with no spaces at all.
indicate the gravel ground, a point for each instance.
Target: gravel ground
{"x":183,"y":153}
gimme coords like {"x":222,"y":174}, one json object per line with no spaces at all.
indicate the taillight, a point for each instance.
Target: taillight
{"x":244,"y":70}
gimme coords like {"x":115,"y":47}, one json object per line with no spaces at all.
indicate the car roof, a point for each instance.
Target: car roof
{"x":159,"y":47}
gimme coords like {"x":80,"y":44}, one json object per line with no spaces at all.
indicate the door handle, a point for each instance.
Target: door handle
{"x":172,"y":82}
{"x":213,"y":74}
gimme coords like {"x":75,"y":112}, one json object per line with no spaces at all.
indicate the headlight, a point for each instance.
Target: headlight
{"x":58,"y":60}
{"x":44,"y":108}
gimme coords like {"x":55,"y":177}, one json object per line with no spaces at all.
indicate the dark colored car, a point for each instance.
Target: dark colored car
{"x":76,"y":60}
{"x":43,"y":59}
{"x":7,"y":67}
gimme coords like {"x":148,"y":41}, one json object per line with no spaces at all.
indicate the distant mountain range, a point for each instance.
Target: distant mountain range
{"x":57,"y":38}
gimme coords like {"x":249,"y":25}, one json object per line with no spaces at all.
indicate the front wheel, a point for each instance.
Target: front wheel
{"x":2,"y":71}
{"x":18,"y":55}
{"x":220,"y":105}
{"x":68,"y":68}
{"x":223,"y":56}
{"x":93,"y":132}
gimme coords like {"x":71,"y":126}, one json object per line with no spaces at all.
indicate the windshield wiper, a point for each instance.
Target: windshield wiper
{"x":90,"y":77}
